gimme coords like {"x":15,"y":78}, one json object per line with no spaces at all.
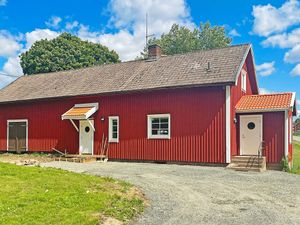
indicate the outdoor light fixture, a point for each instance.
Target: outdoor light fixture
{"x":235,"y":120}
{"x":102,"y":118}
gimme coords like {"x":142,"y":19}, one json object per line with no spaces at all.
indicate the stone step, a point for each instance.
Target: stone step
{"x":248,"y":163}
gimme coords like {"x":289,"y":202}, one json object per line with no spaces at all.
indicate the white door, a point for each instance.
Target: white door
{"x":86,"y":137}
{"x":250,"y":134}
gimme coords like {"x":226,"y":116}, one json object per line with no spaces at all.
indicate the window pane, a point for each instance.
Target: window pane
{"x":164,"y":120}
{"x":155,"y":125}
{"x":155,"y":120}
{"x":154,"y":132}
{"x":164,"y":125}
{"x":115,"y":122}
{"x":115,"y":135}
{"x":115,"y":128}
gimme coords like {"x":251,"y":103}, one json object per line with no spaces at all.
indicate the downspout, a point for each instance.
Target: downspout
{"x":228,"y":125}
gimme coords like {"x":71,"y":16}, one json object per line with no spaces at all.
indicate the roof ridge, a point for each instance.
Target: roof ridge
{"x":135,"y":61}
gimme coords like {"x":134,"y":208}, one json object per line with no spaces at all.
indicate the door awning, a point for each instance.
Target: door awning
{"x":80,"y":111}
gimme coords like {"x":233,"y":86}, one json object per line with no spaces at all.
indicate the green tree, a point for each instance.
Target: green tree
{"x":63,"y":53}
{"x":180,"y":39}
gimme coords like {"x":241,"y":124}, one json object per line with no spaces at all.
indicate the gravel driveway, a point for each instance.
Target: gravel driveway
{"x":205,"y":195}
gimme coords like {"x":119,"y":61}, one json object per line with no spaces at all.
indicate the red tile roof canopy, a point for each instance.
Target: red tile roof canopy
{"x":267,"y":102}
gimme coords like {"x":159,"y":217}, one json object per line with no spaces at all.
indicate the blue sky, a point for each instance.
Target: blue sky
{"x":273,"y":27}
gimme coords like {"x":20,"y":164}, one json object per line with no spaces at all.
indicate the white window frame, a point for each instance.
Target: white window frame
{"x":244,"y":81}
{"x":110,"y":129}
{"x":159,"y":136}
{"x":7,"y":132}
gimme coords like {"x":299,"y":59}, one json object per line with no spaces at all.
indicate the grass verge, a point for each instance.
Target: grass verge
{"x":296,"y":158}
{"x":35,"y":195}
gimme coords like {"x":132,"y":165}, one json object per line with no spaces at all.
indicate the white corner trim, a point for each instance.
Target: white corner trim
{"x":293,"y":99}
{"x":228,"y":125}
{"x":286,"y":133}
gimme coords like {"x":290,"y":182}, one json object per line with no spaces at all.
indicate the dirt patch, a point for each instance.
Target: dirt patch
{"x":25,"y":159}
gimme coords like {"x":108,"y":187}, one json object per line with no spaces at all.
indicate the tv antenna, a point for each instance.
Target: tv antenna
{"x":147,"y":32}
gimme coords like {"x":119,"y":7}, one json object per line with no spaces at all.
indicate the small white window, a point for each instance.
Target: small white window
{"x":113,"y":129}
{"x":244,"y":80}
{"x":159,"y":126}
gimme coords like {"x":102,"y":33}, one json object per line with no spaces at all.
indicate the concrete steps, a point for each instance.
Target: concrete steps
{"x":248,"y":163}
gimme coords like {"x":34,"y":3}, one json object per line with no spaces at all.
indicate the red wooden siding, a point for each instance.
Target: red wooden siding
{"x":236,"y":94}
{"x":273,"y":135}
{"x":197,"y":124}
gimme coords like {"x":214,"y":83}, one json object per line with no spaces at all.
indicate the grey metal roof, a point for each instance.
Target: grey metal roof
{"x":188,"y":69}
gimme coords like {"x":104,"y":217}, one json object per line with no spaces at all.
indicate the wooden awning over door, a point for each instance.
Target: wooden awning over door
{"x":80,"y":111}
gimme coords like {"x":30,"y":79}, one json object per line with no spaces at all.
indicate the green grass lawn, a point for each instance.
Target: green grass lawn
{"x":297,"y":134}
{"x":35,"y":195}
{"x":296,"y":158}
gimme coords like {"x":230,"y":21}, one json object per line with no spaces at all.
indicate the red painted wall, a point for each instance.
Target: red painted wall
{"x":197,"y":124}
{"x":273,"y":135}
{"x":236,"y":94}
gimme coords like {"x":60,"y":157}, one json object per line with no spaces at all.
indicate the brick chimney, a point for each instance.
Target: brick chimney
{"x":154,"y":51}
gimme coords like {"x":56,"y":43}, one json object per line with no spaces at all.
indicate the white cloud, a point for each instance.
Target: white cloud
{"x":3,"y":2}
{"x":296,"y":70}
{"x":53,"y":22}
{"x":293,"y":55}
{"x":9,"y":45}
{"x":264,"y":91}
{"x":266,"y":69}
{"x":298,"y":102}
{"x":269,"y":19}
{"x":39,"y":34}
{"x":11,"y":67}
{"x":284,"y":40}
{"x":129,"y":17}
{"x":72,"y":25}
{"x":234,"y":33}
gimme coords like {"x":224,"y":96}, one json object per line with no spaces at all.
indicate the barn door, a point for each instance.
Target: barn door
{"x":17,"y":136}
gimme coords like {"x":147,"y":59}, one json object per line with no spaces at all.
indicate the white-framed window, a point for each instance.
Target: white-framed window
{"x":159,"y":126}
{"x":17,"y":135}
{"x":244,"y":81}
{"x":113,"y":129}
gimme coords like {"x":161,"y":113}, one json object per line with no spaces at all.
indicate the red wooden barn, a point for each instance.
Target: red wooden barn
{"x":199,"y":107}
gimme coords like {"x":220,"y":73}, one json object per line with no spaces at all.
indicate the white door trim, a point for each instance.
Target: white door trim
{"x":261,"y":130}
{"x":7,"y":131}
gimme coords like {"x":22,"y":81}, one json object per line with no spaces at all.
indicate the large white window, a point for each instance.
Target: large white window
{"x":113,"y":129}
{"x":244,"y":80}
{"x":159,"y":126}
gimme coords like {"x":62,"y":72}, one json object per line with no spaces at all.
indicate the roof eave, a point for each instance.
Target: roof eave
{"x":261,"y":110}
